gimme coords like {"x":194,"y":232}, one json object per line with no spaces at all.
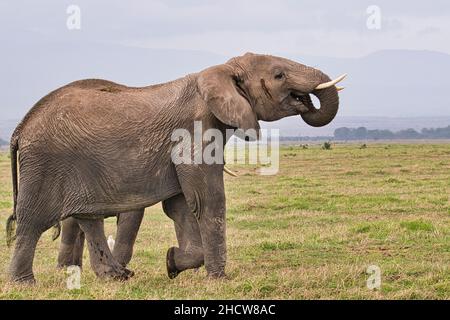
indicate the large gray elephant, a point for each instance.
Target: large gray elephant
{"x":94,"y":148}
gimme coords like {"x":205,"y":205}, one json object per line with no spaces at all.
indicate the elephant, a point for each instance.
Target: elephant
{"x":95,"y":148}
{"x":73,"y":238}
{"x":128,"y":223}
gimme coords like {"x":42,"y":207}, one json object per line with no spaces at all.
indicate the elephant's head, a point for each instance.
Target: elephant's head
{"x":261,"y":87}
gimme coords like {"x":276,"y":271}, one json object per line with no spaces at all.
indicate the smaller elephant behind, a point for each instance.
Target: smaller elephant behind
{"x":188,"y":254}
{"x":73,"y":238}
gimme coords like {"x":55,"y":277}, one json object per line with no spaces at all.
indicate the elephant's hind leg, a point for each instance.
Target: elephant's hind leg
{"x":102,"y":260}
{"x":30,"y":226}
{"x":72,"y":244}
{"x":21,"y":267}
{"x":189,"y":254}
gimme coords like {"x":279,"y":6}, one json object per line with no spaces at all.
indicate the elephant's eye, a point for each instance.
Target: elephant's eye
{"x":279,"y":75}
{"x":238,"y":79}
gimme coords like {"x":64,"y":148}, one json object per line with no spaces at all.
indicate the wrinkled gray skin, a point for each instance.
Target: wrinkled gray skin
{"x":95,"y":148}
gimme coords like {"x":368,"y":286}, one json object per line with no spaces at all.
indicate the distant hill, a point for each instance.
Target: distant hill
{"x":3,"y":142}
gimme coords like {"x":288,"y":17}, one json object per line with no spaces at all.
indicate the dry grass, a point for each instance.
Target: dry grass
{"x":308,"y":232}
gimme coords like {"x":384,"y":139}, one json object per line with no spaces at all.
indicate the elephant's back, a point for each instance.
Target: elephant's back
{"x":81,"y":107}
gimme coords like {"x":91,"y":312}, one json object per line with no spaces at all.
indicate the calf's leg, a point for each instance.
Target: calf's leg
{"x":72,"y":244}
{"x":102,"y":260}
{"x":128,"y":224}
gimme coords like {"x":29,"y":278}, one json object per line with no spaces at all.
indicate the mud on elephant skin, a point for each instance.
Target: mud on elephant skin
{"x":94,"y":148}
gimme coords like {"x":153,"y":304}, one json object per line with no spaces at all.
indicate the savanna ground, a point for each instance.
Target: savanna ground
{"x":311,"y":231}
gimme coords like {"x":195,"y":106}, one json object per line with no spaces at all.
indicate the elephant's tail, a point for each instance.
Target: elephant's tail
{"x":56,"y":231}
{"x":10,"y":223}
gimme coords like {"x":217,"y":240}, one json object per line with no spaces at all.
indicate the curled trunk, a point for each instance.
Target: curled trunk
{"x":329,"y":104}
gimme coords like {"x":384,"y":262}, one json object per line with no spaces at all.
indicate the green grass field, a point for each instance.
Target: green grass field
{"x":309,"y":232}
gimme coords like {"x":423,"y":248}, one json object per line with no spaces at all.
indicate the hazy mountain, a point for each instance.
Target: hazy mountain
{"x":380,"y":89}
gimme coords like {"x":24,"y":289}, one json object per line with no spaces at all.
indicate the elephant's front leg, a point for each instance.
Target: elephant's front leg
{"x":203,"y":188}
{"x":128,"y":224}
{"x":213,"y":231}
{"x":189,"y":253}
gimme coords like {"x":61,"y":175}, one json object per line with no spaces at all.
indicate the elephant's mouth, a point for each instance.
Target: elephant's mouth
{"x":302,"y":101}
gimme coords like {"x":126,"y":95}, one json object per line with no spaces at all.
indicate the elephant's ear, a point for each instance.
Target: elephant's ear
{"x":218,"y":88}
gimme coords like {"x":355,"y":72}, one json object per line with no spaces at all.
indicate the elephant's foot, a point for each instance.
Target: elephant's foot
{"x":172,"y":271}
{"x":26,"y":279}
{"x":116,"y":272}
{"x":217,"y":275}
{"x":178,"y":260}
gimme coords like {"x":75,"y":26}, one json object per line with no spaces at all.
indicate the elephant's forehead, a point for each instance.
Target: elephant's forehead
{"x":264,"y":62}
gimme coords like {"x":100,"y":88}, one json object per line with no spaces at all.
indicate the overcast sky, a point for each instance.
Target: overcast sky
{"x":229,"y":27}
{"x":39,"y":53}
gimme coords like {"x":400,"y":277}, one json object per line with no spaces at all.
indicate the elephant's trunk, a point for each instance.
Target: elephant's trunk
{"x":313,"y":81}
{"x":329,"y":104}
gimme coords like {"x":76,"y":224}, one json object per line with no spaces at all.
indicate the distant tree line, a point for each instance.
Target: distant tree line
{"x":3,"y":142}
{"x":362,"y":133}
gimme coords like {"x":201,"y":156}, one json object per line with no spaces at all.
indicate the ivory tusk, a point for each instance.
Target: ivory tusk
{"x":339,"y":88}
{"x":231,"y":173}
{"x":330,"y":83}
